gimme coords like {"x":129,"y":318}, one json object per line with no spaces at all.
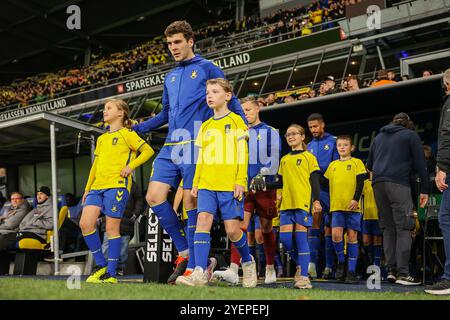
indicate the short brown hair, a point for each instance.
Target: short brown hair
{"x":224,"y":83}
{"x":180,"y":27}
{"x":345,"y":137}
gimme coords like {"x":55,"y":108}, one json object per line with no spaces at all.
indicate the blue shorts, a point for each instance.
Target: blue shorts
{"x":173,"y":163}
{"x":371,"y":227}
{"x":254,"y":224}
{"x":325,"y":204}
{"x":221,"y":204}
{"x":297,"y":216}
{"x":112,"y":202}
{"x":346,"y":219}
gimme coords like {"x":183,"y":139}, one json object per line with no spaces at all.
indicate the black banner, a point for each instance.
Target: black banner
{"x":159,"y":256}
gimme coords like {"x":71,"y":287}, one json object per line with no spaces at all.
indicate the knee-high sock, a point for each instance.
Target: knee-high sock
{"x":202,"y":245}
{"x":301,"y":240}
{"x":339,"y":249}
{"x":377,"y":251}
{"x":329,"y":252}
{"x":169,"y":221}
{"x":288,"y":244}
{"x":93,"y":242}
{"x":314,"y":244}
{"x":261,"y":255}
{"x":242,"y":246}
{"x":235,"y":255}
{"x":369,"y":251}
{"x":192,"y":224}
{"x":270,"y":247}
{"x":114,"y":244}
{"x":352,"y":252}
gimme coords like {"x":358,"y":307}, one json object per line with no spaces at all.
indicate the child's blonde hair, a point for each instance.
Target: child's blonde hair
{"x":302,"y":131}
{"x":224,"y":83}
{"x":122,"y":106}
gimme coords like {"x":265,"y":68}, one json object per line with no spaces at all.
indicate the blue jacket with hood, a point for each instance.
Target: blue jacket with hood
{"x":184,"y":100}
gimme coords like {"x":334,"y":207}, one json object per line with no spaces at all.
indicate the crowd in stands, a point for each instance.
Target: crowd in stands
{"x":298,"y":22}
{"x":329,"y":86}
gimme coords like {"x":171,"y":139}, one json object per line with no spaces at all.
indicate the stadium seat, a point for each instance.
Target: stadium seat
{"x":30,"y":250}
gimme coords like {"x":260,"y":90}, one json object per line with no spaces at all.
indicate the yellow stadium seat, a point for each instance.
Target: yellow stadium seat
{"x":33,"y":244}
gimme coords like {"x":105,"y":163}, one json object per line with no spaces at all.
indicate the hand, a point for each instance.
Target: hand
{"x":194,"y":192}
{"x":423,"y":200}
{"x":440,"y":180}
{"x":126,"y":172}
{"x":317,"y":208}
{"x":353,"y":205}
{"x":83,"y":200}
{"x":239,"y":191}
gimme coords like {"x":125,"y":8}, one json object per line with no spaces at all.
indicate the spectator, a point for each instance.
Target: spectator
{"x":382,"y":79}
{"x":395,"y":154}
{"x":35,"y":224}
{"x":134,"y":209}
{"x":289,"y":99}
{"x":271,"y":99}
{"x":312,"y":93}
{"x":427,"y":73}
{"x":391,"y":75}
{"x":442,"y":182}
{"x":351,"y":83}
{"x":3,"y":189}
{"x":12,"y":217}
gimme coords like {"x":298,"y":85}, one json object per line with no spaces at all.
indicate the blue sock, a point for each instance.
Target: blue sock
{"x":339,"y":249}
{"x":369,"y":249}
{"x":261,"y":254}
{"x":114,"y":245}
{"x":252,"y":250}
{"x":303,"y":255}
{"x":288,"y":244}
{"x":242,"y":247}
{"x":192,"y":224}
{"x":93,"y":242}
{"x":329,"y":252}
{"x":352,"y":252}
{"x":377,"y":252}
{"x":202,"y":244}
{"x":314,"y":244}
{"x":169,"y":221}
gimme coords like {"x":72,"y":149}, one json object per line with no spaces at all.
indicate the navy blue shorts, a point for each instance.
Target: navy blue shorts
{"x":371,"y":228}
{"x":173,"y":163}
{"x":296,"y":216}
{"x":112,"y":202}
{"x":221,"y":204}
{"x":346,"y":219}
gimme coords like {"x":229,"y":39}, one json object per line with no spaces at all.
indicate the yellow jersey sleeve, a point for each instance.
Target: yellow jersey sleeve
{"x":133,"y":140}
{"x":360,"y":168}
{"x":327,"y":173}
{"x":242,"y":129}
{"x":313,"y":164}
{"x":280,"y":169}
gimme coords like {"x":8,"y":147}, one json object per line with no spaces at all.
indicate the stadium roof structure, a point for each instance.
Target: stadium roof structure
{"x":27,"y":140}
{"x":29,"y":137}
{"x":36,"y":39}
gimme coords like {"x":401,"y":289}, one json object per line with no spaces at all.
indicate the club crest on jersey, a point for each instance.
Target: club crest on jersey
{"x":327,"y":147}
{"x":227,"y":128}
{"x":259,"y":136}
{"x":114,"y":209}
{"x":194,"y":74}
{"x":299,"y":162}
{"x":172,"y":79}
{"x":349,"y":167}
{"x":114,"y":141}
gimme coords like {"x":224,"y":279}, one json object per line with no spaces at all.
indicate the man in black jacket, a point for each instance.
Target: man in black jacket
{"x":395,"y":155}
{"x":442,"y":181}
{"x":135,"y":207}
